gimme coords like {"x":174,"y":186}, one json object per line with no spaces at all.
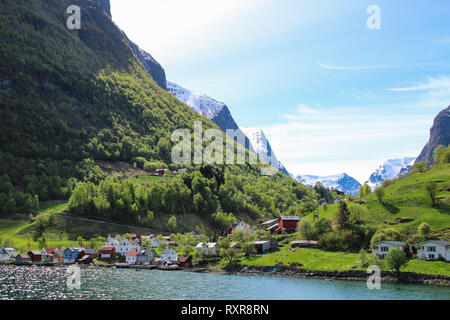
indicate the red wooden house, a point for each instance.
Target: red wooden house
{"x":288,"y":223}
{"x":106,"y":252}
{"x":185,"y":262}
{"x":35,"y":256}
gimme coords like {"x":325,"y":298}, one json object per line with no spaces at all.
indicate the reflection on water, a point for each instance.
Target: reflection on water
{"x":104,"y":283}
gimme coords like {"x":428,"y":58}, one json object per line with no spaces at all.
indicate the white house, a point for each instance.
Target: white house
{"x":211,"y":248}
{"x":126,"y":246}
{"x":155,"y":242}
{"x":246,"y":228}
{"x":169,"y":256}
{"x":132,"y":257}
{"x":7,"y":254}
{"x":381,"y":249}
{"x":434,"y":250}
{"x":112,"y":242}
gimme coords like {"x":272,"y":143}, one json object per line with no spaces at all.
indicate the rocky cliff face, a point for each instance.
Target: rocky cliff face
{"x":104,"y":4}
{"x":151,"y":65}
{"x":212,"y":109}
{"x":439,"y":135}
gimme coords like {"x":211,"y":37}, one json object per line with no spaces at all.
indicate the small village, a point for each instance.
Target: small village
{"x":141,"y":252}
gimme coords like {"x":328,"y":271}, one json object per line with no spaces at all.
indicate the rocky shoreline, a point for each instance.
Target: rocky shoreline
{"x":353,"y":275}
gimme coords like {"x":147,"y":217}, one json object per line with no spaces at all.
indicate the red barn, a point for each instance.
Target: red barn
{"x":288,"y":223}
{"x":160,"y":172}
{"x":106,"y":252}
{"x":185,"y":262}
{"x":35,"y":256}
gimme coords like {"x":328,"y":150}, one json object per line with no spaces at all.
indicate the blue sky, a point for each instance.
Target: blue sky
{"x":332,"y":95}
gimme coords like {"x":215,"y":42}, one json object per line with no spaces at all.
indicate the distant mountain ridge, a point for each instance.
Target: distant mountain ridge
{"x":342,"y":182}
{"x":439,"y":135}
{"x":210,"y":108}
{"x":390,"y":169}
{"x":219,"y":113}
{"x":261,"y":146}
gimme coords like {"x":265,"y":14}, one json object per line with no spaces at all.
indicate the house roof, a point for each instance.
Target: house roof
{"x":272,"y":227}
{"x":389,"y":242}
{"x":106,"y":250}
{"x":49,"y":250}
{"x":437,"y":242}
{"x":184,"y":259}
{"x":304,"y":242}
{"x":132,"y":253}
{"x":261,"y":242}
{"x":200,"y":245}
{"x":269,"y":222}
{"x":24,"y":256}
{"x":234,"y":245}
{"x":35,"y":252}
{"x":290,"y":218}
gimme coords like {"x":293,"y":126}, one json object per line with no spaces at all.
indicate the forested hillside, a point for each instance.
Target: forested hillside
{"x":71,"y":98}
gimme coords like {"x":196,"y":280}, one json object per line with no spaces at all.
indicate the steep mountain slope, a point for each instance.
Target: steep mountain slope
{"x":219,"y":113}
{"x":341,"y":182}
{"x":73,"y":95}
{"x":389,"y":170}
{"x":212,"y":109}
{"x":105,"y":5}
{"x":151,"y":65}
{"x":72,"y":98}
{"x":262,"y":147}
{"x":439,"y":135}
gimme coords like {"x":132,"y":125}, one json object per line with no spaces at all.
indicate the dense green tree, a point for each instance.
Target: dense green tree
{"x":342,"y":219}
{"x":431,"y":192}
{"x":380,"y":193}
{"x":396,"y":259}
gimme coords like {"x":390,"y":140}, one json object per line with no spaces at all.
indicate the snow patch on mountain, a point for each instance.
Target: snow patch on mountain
{"x":342,"y":182}
{"x":204,"y":105}
{"x":219,"y":113}
{"x":261,"y":146}
{"x":390,"y":169}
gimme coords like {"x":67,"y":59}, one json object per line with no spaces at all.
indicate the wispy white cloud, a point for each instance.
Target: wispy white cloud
{"x":370,"y":67}
{"x":354,"y":139}
{"x":442,"y":84}
{"x":350,"y":68}
{"x":306,"y":110}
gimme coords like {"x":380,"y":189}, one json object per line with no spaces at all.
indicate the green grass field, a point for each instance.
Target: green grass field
{"x":407,"y":199}
{"x":319,"y":260}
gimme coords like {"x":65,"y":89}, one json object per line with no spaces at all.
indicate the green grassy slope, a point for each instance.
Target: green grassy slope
{"x":406,"y":198}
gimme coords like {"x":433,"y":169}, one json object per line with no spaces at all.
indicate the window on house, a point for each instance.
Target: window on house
{"x":431,"y":256}
{"x":384,"y":249}
{"x":431,"y":249}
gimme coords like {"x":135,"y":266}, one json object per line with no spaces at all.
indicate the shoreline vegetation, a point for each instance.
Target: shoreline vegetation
{"x":279,"y":271}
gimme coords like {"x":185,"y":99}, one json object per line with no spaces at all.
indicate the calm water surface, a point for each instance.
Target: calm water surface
{"x":104,"y":283}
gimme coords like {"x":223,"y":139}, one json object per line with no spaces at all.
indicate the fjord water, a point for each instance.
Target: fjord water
{"x":122,"y":284}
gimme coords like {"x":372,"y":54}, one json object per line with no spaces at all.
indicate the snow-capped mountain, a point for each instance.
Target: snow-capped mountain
{"x":214,"y":110}
{"x":342,"y":182}
{"x":219,"y":113}
{"x":261,"y":146}
{"x":406,"y":168}
{"x":389,"y":170}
